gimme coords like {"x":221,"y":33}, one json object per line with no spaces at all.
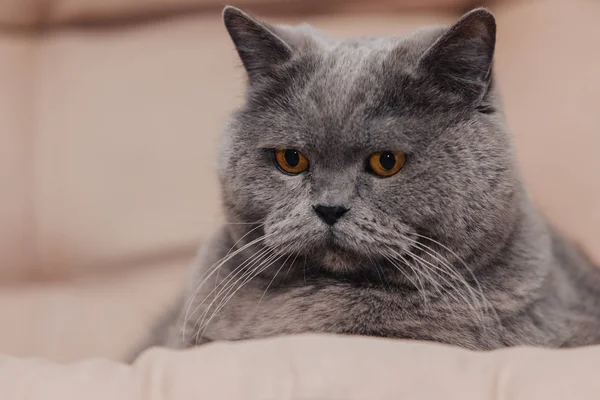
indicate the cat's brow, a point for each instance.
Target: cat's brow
{"x":283,"y":144}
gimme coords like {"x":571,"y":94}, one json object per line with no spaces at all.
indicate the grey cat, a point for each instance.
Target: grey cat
{"x":370,"y":188}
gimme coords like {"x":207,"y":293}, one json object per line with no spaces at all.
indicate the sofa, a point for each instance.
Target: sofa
{"x":110,"y":113}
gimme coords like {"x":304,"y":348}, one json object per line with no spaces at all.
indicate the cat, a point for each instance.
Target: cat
{"x":370,"y":187}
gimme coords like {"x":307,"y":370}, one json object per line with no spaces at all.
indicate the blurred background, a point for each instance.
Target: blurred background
{"x":110,"y":112}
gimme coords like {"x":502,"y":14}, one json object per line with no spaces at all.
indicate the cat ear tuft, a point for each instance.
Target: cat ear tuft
{"x":257,"y":44}
{"x":461,"y":59}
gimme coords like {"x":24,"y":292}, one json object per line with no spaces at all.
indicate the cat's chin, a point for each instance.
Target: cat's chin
{"x":333,"y":255}
{"x":338,"y":260}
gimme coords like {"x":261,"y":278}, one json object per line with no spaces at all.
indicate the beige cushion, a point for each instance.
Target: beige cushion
{"x":108,"y":316}
{"x":314,"y":367}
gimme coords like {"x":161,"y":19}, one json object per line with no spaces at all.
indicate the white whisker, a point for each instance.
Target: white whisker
{"x":242,"y":238}
{"x":270,"y":283}
{"x":480,"y":296}
{"x":290,"y":267}
{"x":420,"y":290}
{"x":228,"y":283}
{"x":249,"y":276}
{"x":426,"y":273}
{"x":479,"y":287}
{"x":436,"y":268}
{"x":210,"y":271}
{"x":438,"y":286}
{"x":235,"y":245}
{"x":234,"y":272}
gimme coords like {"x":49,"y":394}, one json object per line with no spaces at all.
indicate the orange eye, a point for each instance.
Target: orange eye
{"x":291,"y":161}
{"x":387,"y":163}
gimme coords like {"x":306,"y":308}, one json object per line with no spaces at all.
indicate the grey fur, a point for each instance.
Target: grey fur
{"x":476,"y":265}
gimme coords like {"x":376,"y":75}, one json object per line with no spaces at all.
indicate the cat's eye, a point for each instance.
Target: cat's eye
{"x":386,"y":163}
{"x":291,"y":161}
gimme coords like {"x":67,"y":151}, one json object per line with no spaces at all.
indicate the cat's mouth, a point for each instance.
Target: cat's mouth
{"x":336,"y":255}
{"x":338,"y":259}
{"x":339,"y":252}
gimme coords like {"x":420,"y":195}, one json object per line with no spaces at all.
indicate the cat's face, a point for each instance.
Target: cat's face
{"x":361,"y":151}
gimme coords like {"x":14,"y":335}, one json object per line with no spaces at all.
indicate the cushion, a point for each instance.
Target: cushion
{"x":313,"y":367}
{"x":97,"y":316}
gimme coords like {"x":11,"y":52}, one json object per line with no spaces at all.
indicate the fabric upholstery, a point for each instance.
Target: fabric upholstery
{"x":44,"y":13}
{"x":314,"y":367}
{"x":548,"y":72}
{"x":16,"y":156}
{"x":105,"y":316}
{"x":127,"y":128}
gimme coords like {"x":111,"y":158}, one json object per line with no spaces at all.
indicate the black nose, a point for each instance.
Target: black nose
{"x":330,"y":214}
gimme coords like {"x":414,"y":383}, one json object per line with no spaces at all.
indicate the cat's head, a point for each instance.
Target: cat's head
{"x":358,"y":151}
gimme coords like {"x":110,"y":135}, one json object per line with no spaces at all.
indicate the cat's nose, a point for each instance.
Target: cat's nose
{"x":330,"y":214}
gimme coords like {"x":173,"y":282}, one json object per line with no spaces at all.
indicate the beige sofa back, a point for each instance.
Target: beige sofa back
{"x":36,"y":13}
{"x":16,"y":191}
{"x":108,"y":135}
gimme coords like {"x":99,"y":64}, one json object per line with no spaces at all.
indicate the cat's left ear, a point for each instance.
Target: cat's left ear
{"x":460,"y":61}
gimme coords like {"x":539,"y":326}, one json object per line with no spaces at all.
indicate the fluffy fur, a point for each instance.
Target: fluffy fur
{"x":450,"y":249}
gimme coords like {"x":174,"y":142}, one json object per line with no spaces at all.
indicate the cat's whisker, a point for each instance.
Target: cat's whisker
{"x":242,"y":238}
{"x":444,"y":263}
{"x":436,"y":285}
{"x":460,"y":260}
{"x":426,"y":266}
{"x":261,"y":265}
{"x":426,"y":274}
{"x":435,"y":268}
{"x":215,"y":267}
{"x":210,"y":271}
{"x":237,"y":242}
{"x":420,"y":290}
{"x":450,"y":284}
{"x":270,"y":283}
{"x":379,"y":271}
{"x":241,"y":272}
{"x":486,"y":304}
{"x":304,"y":270}
{"x":290,"y":267}
{"x":251,"y":275}
{"x":417,"y":274}
{"x":224,"y":287}
{"x":249,"y":269}
{"x":225,"y":259}
{"x":234,"y":272}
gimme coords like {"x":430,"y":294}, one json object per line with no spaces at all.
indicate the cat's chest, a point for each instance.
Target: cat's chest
{"x":345,"y":309}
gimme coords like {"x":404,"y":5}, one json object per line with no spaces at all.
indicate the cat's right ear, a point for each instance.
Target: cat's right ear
{"x":257,"y":44}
